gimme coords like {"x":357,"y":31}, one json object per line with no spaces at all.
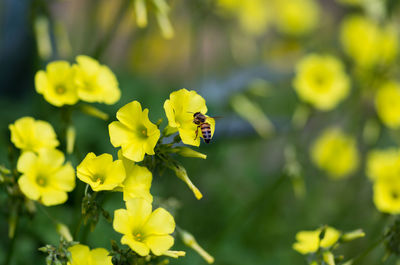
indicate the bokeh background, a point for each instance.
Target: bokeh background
{"x":240,"y":56}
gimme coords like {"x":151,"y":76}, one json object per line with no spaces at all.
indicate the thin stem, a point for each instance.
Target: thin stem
{"x":361,"y":256}
{"x":12,"y":241}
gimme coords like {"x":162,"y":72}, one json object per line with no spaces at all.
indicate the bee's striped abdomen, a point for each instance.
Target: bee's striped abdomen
{"x":206,"y":132}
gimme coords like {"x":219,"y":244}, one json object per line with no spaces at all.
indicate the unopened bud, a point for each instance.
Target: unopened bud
{"x":92,"y":111}
{"x":168,"y":130}
{"x":174,"y":254}
{"x":63,"y":230}
{"x":141,"y":13}
{"x":350,"y":236}
{"x":71,"y":136}
{"x":329,"y":258}
{"x":188,"y":152}
{"x":181,"y":173}
{"x":189,"y":240}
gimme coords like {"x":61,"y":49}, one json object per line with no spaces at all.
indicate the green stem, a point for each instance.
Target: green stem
{"x":104,"y":43}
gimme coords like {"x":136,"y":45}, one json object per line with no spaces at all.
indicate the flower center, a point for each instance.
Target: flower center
{"x":99,"y":179}
{"x":142,"y":132}
{"x":138,"y":236}
{"x":60,"y":89}
{"x":41,"y":181}
{"x":395,"y":195}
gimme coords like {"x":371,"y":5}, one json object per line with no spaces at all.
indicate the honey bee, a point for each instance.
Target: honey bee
{"x":200,"y":121}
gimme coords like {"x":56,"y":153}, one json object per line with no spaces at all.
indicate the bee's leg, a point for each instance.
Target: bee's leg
{"x":197,"y":132}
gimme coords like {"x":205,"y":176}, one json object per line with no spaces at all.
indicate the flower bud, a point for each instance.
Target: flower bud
{"x":141,"y":13}
{"x":92,"y":111}
{"x":189,"y":240}
{"x":350,"y":236}
{"x":187,"y":152}
{"x":71,"y":136}
{"x":174,"y":254}
{"x":63,"y":230}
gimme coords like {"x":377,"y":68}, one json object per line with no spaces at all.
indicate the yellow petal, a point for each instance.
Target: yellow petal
{"x":159,"y":244}
{"x":136,"y":246}
{"x":80,"y":254}
{"x":44,"y":131}
{"x":51,"y":158}
{"x":119,"y":133}
{"x":28,"y":188}
{"x":53,"y":197}
{"x":41,"y":81}
{"x":130,"y":114}
{"x":160,"y":222}
{"x":121,"y":222}
{"x":139,"y":211}
{"x":100,"y":257}
{"x":26,"y":162}
{"x":64,"y":178}
{"x":134,"y":151}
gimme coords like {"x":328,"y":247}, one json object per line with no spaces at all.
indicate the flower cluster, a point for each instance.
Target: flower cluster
{"x":383,"y":168}
{"x":87,"y":80}
{"x":45,"y":177}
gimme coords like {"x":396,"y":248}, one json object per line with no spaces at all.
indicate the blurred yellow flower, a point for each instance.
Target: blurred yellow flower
{"x":56,"y":84}
{"x":101,"y":172}
{"x":387,"y":196}
{"x":321,"y":81}
{"x":296,"y":17}
{"x":82,"y":255}
{"x":144,"y":230}
{"x":44,"y":177}
{"x":95,"y":82}
{"x":137,"y":182}
{"x":29,"y":134}
{"x":367,"y":42}
{"x":387,"y":104}
{"x":179,"y":108}
{"x":254,"y":16}
{"x":384,"y":165}
{"x":309,"y":241}
{"x":336,"y":153}
{"x":134,"y":132}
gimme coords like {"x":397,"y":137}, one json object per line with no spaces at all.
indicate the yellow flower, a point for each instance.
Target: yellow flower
{"x":144,"y":230}
{"x":384,"y":165}
{"x":95,"y":82}
{"x":137,"y":182}
{"x":309,"y":241}
{"x":56,"y":84}
{"x":296,"y":17}
{"x":44,"y":177}
{"x":179,"y":108}
{"x":82,"y":255}
{"x":29,"y":134}
{"x":387,"y":104}
{"x":387,"y":196}
{"x":321,"y":81}
{"x":336,"y":153}
{"x":134,"y":132}
{"x":100,"y":172}
{"x":367,"y":42}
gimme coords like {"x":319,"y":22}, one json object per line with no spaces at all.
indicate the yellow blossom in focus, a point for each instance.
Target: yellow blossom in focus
{"x":387,"y":196}
{"x":101,"y":172}
{"x":321,"y":80}
{"x":137,"y":182}
{"x":367,"y":42}
{"x":134,"y":132}
{"x":44,"y":177}
{"x":144,"y":230}
{"x":95,"y":82}
{"x":29,"y":134}
{"x":309,"y":241}
{"x":387,"y":104}
{"x":296,"y":17}
{"x":384,"y":165}
{"x":254,"y":16}
{"x":336,"y":153}
{"x":179,"y":108}
{"x":56,"y":84}
{"x":82,"y":255}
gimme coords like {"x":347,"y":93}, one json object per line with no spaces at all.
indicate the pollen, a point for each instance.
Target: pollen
{"x":60,"y":89}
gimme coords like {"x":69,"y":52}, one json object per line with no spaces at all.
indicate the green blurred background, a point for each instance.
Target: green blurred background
{"x":250,"y":212}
